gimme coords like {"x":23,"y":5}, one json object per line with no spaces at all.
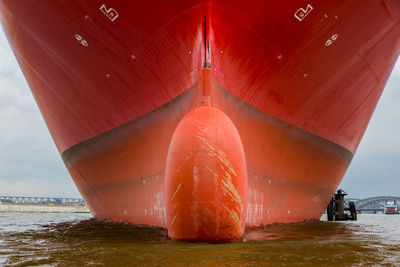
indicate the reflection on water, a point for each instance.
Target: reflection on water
{"x":76,"y":239}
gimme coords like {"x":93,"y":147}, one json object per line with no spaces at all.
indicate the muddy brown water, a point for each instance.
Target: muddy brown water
{"x":29,"y":239}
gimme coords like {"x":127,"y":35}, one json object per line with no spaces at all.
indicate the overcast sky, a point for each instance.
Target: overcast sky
{"x":31,"y":166}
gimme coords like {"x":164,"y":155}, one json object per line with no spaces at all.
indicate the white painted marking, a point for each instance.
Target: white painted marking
{"x":190,"y":52}
{"x":108,"y":75}
{"x":331,"y":39}
{"x":133,"y":57}
{"x":124,"y":211}
{"x":305,"y":75}
{"x":222,"y":52}
{"x":110,"y":13}
{"x":301,"y":13}
{"x":279,"y":57}
{"x":144,"y":181}
{"x":81,"y":40}
{"x":86,"y":16}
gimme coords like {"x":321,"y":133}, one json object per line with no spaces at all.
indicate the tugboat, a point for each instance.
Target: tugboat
{"x":336,"y":210}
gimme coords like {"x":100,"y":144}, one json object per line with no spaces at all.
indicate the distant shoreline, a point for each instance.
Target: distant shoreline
{"x":38,"y":208}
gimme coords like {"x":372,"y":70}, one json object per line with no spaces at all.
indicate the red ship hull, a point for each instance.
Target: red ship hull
{"x":299,"y":80}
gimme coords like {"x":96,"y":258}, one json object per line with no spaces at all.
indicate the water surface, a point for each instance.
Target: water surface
{"x":29,"y":239}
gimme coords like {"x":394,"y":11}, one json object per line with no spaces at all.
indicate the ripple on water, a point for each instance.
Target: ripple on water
{"x":78,"y":240}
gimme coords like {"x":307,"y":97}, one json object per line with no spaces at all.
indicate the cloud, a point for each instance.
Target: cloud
{"x":373,"y":175}
{"x":37,"y":187}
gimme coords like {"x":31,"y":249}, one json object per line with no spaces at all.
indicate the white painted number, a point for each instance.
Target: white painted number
{"x":331,"y":39}
{"x":301,"y":13}
{"x":81,"y":40}
{"x":110,"y":13}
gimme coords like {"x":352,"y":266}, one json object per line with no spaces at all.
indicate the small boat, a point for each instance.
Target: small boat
{"x":390,"y":208}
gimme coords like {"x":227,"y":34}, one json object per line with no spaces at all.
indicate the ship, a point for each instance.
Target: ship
{"x":390,"y":207}
{"x":205,"y":116}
